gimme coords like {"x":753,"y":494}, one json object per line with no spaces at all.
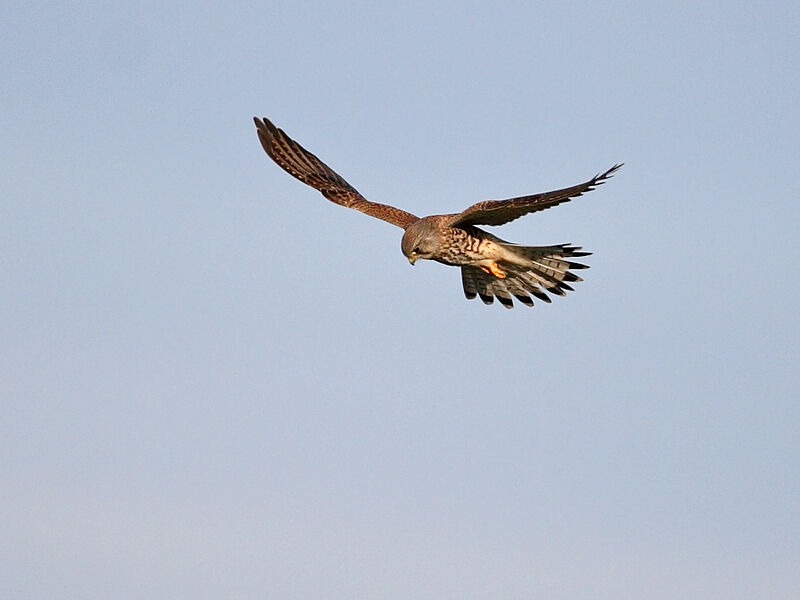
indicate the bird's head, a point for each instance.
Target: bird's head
{"x":421,"y":240}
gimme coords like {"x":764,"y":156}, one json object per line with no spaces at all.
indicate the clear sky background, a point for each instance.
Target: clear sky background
{"x":217,"y":384}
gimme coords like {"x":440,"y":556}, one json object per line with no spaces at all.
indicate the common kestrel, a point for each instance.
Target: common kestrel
{"x":490,"y":267}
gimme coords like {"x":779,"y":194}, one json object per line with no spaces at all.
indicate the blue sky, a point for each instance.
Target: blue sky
{"x":215,"y":383}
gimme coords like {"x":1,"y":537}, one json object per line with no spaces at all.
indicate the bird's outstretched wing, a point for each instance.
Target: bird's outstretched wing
{"x":300,"y":163}
{"x":497,"y":212}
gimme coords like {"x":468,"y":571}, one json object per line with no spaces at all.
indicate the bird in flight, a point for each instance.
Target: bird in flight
{"x":490,"y":267}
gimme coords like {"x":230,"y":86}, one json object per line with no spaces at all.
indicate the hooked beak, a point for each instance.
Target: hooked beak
{"x":412,"y":259}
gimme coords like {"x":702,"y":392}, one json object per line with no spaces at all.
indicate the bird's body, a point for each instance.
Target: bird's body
{"x":490,"y":267}
{"x":456,"y":245}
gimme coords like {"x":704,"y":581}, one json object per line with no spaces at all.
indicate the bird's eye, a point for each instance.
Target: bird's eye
{"x":417,"y":250}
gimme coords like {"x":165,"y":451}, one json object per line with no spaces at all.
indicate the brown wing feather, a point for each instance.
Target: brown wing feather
{"x":300,"y":163}
{"x":497,"y":212}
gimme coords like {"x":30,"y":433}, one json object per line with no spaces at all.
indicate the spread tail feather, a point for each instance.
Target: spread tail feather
{"x":542,"y":268}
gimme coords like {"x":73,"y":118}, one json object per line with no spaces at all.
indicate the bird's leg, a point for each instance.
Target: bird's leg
{"x":495,"y":270}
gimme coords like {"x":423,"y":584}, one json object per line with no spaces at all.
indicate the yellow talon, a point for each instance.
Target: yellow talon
{"x":494,"y":270}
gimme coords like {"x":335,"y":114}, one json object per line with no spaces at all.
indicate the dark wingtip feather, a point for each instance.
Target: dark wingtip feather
{"x":487,"y":299}
{"x":601,"y":177}
{"x":265,"y":134}
{"x":265,"y":127}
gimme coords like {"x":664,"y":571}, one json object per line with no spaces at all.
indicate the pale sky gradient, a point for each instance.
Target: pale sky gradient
{"x":217,"y":384}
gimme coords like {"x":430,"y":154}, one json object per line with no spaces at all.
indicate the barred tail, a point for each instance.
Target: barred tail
{"x":542,"y":268}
